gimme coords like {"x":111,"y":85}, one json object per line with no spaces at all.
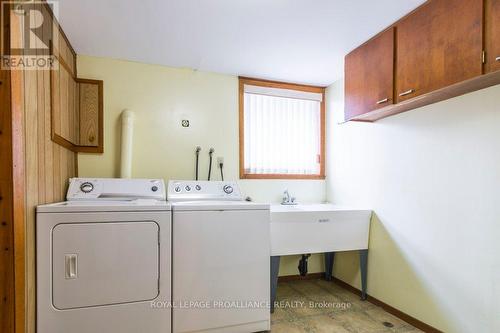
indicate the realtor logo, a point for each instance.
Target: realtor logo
{"x":33,"y":34}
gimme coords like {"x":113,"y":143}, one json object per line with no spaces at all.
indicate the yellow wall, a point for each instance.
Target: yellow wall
{"x":160,"y":97}
{"x":432,"y":177}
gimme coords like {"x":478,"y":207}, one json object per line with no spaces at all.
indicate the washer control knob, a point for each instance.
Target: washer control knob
{"x":228,"y":189}
{"x":86,"y":187}
{"x":177,"y":189}
{"x":188,"y":188}
{"x":198,"y":188}
{"x":154,"y":188}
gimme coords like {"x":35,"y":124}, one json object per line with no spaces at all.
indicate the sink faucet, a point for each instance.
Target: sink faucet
{"x":288,"y":199}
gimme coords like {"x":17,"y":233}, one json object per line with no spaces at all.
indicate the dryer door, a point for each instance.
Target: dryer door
{"x":104,"y":263}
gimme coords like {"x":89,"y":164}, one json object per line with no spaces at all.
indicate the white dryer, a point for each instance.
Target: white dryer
{"x":221,"y":259}
{"x":104,"y":258}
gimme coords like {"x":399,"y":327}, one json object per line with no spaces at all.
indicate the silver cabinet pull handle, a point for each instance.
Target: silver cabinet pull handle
{"x":407,"y":92}
{"x":497,"y":58}
{"x":382,"y":101}
{"x":71,"y":266}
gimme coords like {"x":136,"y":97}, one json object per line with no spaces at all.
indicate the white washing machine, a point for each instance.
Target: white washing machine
{"x":221,"y":259}
{"x":104,"y":258}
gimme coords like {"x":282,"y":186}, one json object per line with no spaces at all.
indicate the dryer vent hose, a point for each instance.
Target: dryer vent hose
{"x":127,"y":118}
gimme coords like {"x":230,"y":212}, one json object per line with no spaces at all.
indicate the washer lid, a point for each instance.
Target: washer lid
{"x":218,"y":205}
{"x":105,"y":206}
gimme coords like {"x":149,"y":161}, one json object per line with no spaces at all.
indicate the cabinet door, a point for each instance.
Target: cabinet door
{"x":492,"y":37}
{"x":369,"y":76}
{"x":438,"y":45}
{"x":88,"y":106}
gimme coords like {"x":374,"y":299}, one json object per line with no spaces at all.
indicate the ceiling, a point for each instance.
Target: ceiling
{"x":297,"y":41}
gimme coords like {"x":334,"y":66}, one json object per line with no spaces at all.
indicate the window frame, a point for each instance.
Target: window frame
{"x":280,"y":85}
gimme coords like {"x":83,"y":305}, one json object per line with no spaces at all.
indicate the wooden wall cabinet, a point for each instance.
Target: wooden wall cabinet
{"x":77,"y":109}
{"x":438,"y":45}
{"x":492,"y":36}
{"x":369,"y":75}
{"x":441,"y":52}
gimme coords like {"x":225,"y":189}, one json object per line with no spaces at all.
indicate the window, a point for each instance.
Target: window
{"x":282,"y":130}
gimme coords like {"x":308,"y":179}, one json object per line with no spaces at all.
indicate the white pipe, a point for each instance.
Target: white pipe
{"x":126,"y":152}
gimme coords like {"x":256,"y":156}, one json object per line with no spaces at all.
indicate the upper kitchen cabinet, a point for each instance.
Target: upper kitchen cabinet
{"x":369,"y":74}
{"x":443,"y":49}
{"x":438,"y":45}
{"x":492,"y":35}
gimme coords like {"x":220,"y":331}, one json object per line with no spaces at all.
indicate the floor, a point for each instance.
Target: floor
{"x":318,"y":306}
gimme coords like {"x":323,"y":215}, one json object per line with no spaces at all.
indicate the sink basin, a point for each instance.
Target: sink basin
{"x":317,"y":228}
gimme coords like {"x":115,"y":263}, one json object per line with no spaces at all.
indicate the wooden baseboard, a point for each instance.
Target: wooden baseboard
{"x":311,"y":276}
{"x":395,"y":312}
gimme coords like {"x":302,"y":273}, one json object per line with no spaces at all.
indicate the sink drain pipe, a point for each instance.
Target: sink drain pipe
{"x":303,"y":264}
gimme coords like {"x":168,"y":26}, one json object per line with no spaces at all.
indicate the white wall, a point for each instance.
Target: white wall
{"x":160,"y":98}
{"x":432,"y":177}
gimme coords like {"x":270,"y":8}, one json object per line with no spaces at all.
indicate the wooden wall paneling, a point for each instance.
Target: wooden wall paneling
{"x":66,"y":54}
{"x":47,"y":139}
{"x":6,"y":208}
{"x":7,"y":249}
{"x":62,"y":48}
{"x":492,"y":35}
{"x":55,"y":100}
{"x":58,"y":151}
{"x":41,"y":126}
{"x":438,"y":45}
{"x":41,"y":169}
{"x":64,"y":104}
{"x":31,"y":136}
{"x":18,"y":181}
{"x":71,"y":111}
{"x":69,"y":54}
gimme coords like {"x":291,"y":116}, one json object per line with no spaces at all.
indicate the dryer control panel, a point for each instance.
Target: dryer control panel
{"x":183,"y":190}
{"x":115,"y":189}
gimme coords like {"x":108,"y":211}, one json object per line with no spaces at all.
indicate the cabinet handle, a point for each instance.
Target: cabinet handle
{"x":411,"y":91}
{"x":497,"y":58}
{"x":91,"y":138}
{"x":382,"y":101}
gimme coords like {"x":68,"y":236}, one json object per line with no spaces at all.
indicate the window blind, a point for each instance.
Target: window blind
{"x":282,"y":133}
